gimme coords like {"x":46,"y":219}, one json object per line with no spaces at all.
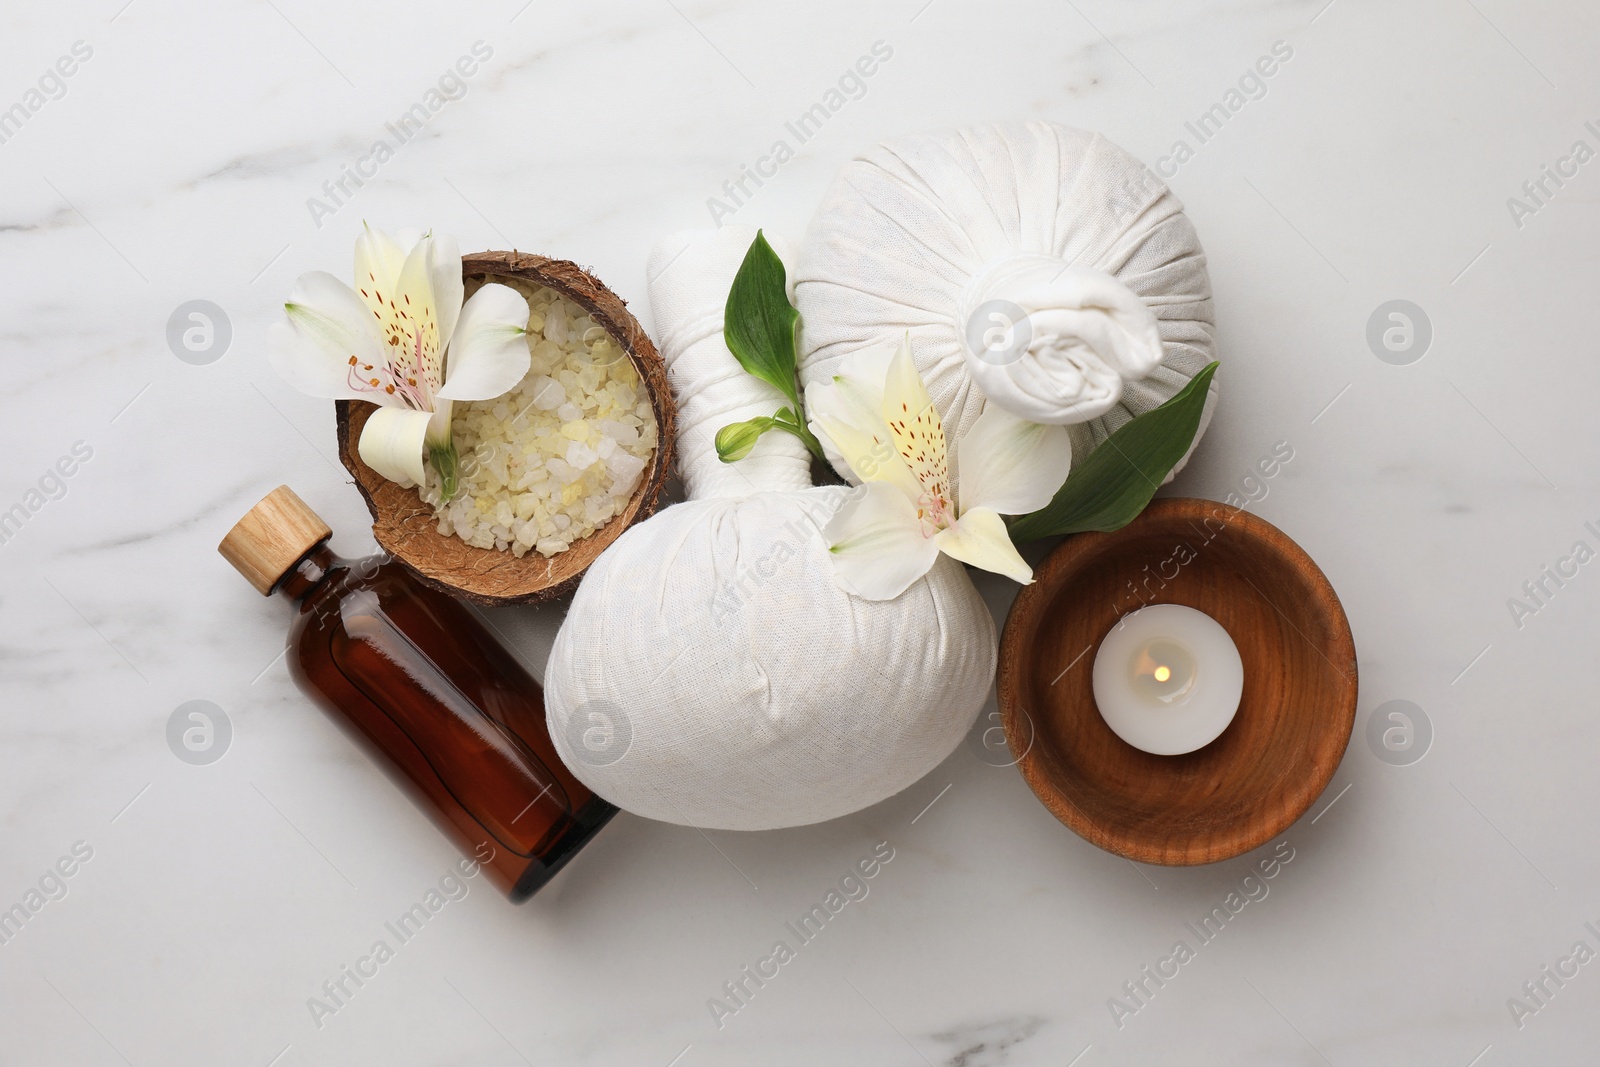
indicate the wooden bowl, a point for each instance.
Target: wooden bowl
{"x":1294,"y":718}
{"x":405,"y":527}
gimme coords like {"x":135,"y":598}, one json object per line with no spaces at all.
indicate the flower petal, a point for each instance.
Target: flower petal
{"x":851,"y":403}
{"x":438,"y":435}
{"x":917,"y":430}
{"x":489,"y":352}
{"x":869,"y":453}
{"x":866,"y":369}
{"x":328,"y":324}
{"x":821,"y":399}
{"x":411,"y":325}
{"x":444,"y":269}
{"x":305,"y":366}
{"x":1010,"y":464}
{"x":849,"y":399}
{"x":392,"y":442}
{"x":979,"y":537}
{"x":379,"y":258}
{"x":876,"y":542}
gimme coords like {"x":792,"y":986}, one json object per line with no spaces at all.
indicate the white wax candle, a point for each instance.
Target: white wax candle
{"x":1167,"y":679}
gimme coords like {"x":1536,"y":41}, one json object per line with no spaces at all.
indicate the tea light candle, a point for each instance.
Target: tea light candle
{"x":1167,"y":679}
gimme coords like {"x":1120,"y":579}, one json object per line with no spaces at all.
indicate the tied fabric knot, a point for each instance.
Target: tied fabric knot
{"x":1053,"y":342}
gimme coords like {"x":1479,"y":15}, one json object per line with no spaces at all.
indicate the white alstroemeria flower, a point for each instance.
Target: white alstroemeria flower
{"x":402,"y":339}
{"x":878,"y":417}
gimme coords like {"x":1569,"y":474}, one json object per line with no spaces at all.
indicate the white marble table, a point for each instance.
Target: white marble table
{"x":176,"y":162}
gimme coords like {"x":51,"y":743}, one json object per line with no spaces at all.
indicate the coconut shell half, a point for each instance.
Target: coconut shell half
{"x":405,"y":527}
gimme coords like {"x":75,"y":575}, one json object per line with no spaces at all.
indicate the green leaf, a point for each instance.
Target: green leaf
{"x":735,"y":440}
{"x":1119,"y":478}
{"x":758,"y":322}
{"x":444,"y":461}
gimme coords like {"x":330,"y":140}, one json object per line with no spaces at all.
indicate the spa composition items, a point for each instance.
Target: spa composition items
{"x":403,"y":338}
{"x":789,"y":700}
{"x":992,"y":337}
{"x":415,"y":678}
{"x":848,"y":667}
{"x":554,"y":458}
{"x":1167,"y":679}
{"x":553,"y":431}
{"x":1028,"y":267}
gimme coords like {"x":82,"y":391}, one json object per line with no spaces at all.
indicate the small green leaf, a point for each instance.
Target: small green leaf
{"x":444,"y":461}
{"x":1119,"y":478}
{"x":735,"y":440}
{"x":758,"y":321}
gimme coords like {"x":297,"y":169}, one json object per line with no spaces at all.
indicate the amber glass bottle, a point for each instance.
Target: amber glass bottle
{"x":417,"y":679}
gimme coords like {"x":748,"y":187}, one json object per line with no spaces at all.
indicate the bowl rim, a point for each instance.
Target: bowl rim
{"x":1027,"y":612}
{"x":399,"y":514}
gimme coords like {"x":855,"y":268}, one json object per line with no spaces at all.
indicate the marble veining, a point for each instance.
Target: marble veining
{"x":177,"y":165}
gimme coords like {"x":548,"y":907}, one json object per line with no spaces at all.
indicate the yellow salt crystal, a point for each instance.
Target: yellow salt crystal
{"x":576,"y":430}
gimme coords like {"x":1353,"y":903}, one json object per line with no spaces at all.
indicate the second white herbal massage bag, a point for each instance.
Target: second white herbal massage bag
{"x":1034,"y":266}
{"x":711,"y":671}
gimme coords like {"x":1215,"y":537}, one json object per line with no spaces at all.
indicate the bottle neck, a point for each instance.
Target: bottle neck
{"x":306,"y":575}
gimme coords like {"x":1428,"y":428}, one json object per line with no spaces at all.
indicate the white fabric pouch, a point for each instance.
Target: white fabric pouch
{"x":711,"y":672}
{"x":1033,"y":266}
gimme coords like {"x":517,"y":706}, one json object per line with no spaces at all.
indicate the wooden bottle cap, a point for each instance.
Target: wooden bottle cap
{"x":272,"y":537}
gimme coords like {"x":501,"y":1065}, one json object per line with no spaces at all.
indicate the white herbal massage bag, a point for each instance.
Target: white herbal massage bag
{"x":711,"y":672}
{"x":1034,"y":266}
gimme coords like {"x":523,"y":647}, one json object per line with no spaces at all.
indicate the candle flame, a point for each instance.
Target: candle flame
{"x":1163,"y":673}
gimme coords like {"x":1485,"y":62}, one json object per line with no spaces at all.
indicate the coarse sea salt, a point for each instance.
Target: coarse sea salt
{"x":552,"y":461}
